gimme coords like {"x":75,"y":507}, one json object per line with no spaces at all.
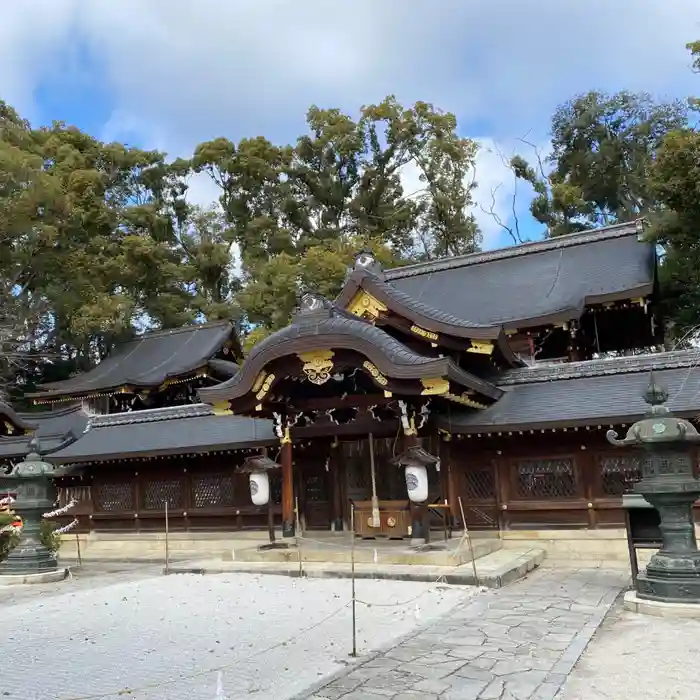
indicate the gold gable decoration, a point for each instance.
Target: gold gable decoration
{"x":318,"y":365}
{"x":364,"y":305}
{"x":222,"y":408}
{"x":481,"y":347}
{"x":435,"y":386}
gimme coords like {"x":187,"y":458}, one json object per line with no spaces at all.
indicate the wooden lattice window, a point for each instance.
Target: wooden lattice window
{"x":212,"y":491}
{"x":619,"y":473}
{"x":546,"y":478}
{"x":159,"y":491}
{"x":114,"y":496}
{"x":480,"y":484}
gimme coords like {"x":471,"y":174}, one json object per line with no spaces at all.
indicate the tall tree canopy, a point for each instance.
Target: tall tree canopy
{"x":675,"y":182}
{"x":298,"y":213}
{"x":99,"y":241}
{"x":603,"y":150}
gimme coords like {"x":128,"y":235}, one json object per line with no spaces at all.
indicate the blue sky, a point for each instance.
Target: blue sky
{"x":171,"y":74}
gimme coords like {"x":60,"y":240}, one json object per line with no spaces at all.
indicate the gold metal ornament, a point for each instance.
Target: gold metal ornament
{"x":318,"y":365}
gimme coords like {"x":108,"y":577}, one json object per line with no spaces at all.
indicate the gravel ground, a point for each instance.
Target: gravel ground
{"x":638,"y":656}
{"x":92,"y":641}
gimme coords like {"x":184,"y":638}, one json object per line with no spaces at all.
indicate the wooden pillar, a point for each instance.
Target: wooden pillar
{"x":449,"y":479}
{"x":287,"y":487}
{"x":587,"y":474}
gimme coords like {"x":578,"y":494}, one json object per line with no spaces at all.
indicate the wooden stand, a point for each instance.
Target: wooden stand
{"x":394,"y":519}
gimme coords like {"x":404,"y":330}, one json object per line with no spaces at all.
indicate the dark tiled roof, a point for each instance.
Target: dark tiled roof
{"x":416,"y":310}
{"x":540,"y":282}
{"x":147,"y":360}
{"x":605,"y":391}
{"x":53,"y":428}
{"x":163,"y":431}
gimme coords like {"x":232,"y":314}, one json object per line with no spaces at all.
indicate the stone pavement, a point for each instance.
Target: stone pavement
{"x":519,"y":643}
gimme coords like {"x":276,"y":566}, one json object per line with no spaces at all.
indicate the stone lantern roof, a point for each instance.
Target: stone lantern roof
{"x":659,"y":425}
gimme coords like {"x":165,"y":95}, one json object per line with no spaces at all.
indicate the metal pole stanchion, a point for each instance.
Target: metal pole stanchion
{"x":352,"y":579}
{"x":298,"y":530}
{"x":469,"y":540}
{"x":77,"y":545}
{"x":167,"y":542}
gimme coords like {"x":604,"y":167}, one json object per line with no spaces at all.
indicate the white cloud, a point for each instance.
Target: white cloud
{"x":182,"y":71}
{"x":192,"y":69}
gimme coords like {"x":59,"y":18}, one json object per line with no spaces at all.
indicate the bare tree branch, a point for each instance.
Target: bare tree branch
{"x":512,"y":229}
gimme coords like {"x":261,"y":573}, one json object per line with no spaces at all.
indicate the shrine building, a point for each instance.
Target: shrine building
{"x":496,"y":373}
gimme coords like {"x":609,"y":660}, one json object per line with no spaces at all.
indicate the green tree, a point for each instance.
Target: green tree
{"x":676,"y":227}
{"x":298,"y":213}
{"x":93,"y":232}
{"x":603,"y":150}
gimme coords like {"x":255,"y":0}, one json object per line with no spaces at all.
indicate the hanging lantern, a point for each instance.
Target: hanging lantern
{"x":417,"y":482}
{"x":415,"y":461}
{"x":259,"y":488}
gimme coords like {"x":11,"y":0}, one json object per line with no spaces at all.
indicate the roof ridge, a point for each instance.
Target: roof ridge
{"x":566,"y":241}
{"x":151,"y":415}
{"x":175,"y":331}
{"x":674,"y":359}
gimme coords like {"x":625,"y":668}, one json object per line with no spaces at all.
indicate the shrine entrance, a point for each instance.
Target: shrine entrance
{"x":329,"y":381}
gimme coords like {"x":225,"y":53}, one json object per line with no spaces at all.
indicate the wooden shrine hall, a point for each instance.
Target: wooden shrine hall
{"x":495,"y":375}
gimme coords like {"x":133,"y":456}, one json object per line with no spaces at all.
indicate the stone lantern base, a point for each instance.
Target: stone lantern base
{"x":656,"y":608}
{"x":676,"y":585}
{"x":673,"y":573}
{"x":28,"y":559}
{"x":24,"y":579}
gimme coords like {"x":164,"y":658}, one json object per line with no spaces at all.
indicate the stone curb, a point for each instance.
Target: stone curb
{"x":579,"y":643}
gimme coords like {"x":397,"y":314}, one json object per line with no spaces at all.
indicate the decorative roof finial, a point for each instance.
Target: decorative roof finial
{"x":34,"y":448}
{"x":312,"y":306}
{"x":365,"y":259}
{"x":655,"y":394}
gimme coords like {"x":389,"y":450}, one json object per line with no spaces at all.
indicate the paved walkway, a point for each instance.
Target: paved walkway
{"x":519,"y":643}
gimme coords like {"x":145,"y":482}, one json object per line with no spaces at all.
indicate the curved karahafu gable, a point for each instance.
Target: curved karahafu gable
{"x":368,"y":295}
{"x":320,"y":333}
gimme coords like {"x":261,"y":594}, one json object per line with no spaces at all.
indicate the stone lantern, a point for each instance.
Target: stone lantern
{"x":668,"y":484}
{"x":258,"y":468}
{"x":415,"y":460}
{"x":32,"y":482}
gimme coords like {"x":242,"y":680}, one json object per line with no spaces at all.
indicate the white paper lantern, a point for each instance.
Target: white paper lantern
{"x":417,"y":483}
{"x":259,"y":488}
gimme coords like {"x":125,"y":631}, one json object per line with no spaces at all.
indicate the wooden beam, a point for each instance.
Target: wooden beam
{"x":331,"y":402}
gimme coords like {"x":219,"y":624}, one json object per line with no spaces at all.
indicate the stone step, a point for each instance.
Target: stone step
{"x":447,"y":554}
{"x":493,"y":570}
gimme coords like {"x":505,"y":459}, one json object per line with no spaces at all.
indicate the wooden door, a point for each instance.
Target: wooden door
{"x":315,"y":495}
